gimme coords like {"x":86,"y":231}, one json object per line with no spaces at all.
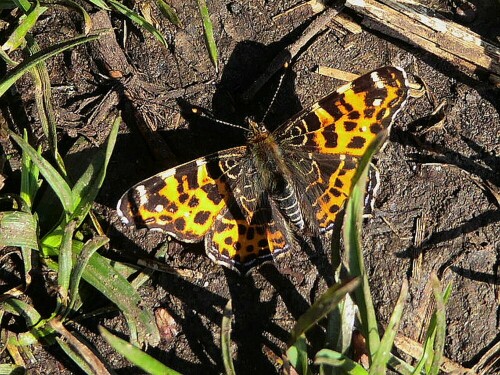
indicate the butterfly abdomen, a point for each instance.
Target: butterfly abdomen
{"x":288,"y":202}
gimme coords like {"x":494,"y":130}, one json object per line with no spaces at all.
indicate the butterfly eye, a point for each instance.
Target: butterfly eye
{"x":262,"y":128}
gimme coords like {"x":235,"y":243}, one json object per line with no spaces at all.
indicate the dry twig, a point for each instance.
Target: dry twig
{"x":415,"y":350}
{"x":316,"y":26}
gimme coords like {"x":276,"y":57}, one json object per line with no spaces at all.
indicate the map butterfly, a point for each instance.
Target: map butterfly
{"x":250,"y":203}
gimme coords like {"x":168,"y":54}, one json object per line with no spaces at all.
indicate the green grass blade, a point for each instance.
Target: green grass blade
{"x":331,"y":358}
{"x":51,"y":242}
{"x":9,"y":368}
{"x":102,"y":276}
{"x":6,"y":58}
{"x":136,"y":355}
{"x":428,"y":350}
{"x":324,"y":305}
{"x":88,"y":185}
{"x":34,"y":338}
{"x":169,"y":13}
{"x":225,"y":338}
{"x":83,"y":258}
{"x":43,"y":92}
{"x":29,"y":176}
{"x":426,"y":353}
{"x":400,"y":366}
{"x":65,"y":264}
{"x":297,"y":355}
{"x":17,"y":37}
{"x":381,"y":358}
{"x":341,"y":325}
{"x":24,"y":5}
{"x":22,"y":309}
{"x":43,"y":101}
{"x":138,"y":19}
{"x":100,"y":4}
{"x":354,"y":252}
{"x":18,"y":229}
{"x":100,"y":273}
{"x":29,"y":188}
{"x":440,"y":318}
{"x":43,"y":55}
{"x":53,"y":178}
{"x":208,"y":30}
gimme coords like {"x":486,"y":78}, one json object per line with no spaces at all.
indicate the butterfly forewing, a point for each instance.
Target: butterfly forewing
{"x":185,"y":200}
{"x":330,"y":137}
{"x":346,"y":121}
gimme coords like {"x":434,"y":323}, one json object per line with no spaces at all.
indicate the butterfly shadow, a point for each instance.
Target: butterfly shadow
{"x":254,"y":329}
{"x":248,"y":61}
{"x":198,"y":305}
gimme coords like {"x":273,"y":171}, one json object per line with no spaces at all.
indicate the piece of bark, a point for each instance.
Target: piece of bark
{"x":133,"y":91}
{"x":422,"y":27}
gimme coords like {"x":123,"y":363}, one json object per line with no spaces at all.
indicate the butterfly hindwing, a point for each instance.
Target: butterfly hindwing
{"x":238,"y":244}
{"x":327,"y":184}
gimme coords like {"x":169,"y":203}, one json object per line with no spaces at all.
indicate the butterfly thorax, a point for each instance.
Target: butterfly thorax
{"x":274,"y":179}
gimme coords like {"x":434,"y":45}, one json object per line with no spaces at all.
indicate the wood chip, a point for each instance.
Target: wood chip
{"x":336,"y":73}
{"x":414,"y":349}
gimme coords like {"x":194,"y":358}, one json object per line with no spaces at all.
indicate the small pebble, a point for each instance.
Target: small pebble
{"x":234,"y":8}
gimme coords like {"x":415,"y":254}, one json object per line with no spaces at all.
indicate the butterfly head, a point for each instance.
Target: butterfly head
{"x":257,"y":131}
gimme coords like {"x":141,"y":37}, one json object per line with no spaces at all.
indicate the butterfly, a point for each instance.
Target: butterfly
{"x":251,"y":203}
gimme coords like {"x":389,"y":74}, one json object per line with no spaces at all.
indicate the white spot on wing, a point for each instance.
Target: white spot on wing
{"x":169,"y":172}
{"x":376,"y":80}
{"x":201,"y":161}
{"x":377,"y":102}
{"x":123,"y":219}
{"x":141,"y":192}
{"x":344,"y":88}
{"x":159,"y":208}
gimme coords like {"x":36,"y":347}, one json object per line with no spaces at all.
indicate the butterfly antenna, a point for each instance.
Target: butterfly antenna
{"x":212,"y":118}
{"x":285,"y":66}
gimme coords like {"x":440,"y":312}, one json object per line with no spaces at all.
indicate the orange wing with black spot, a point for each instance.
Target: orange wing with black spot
{"x":326,"y":140}
{"x":185,"y":200}
{"x":241,"y":244}
{"x":348,"y":119}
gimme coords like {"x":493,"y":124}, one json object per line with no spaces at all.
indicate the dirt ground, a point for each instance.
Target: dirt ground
{"x":429,"y":174}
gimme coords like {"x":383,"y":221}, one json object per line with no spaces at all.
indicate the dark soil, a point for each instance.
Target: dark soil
{"x":429,"y":173}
